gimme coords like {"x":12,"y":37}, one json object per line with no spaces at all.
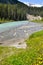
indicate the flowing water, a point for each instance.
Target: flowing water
{"x":6,"y":26}
{"x":17,"y":31}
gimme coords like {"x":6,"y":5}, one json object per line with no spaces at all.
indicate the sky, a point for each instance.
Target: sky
{"x":33,"y":1}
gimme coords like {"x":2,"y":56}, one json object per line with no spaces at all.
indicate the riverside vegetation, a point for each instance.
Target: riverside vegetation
{"x":32,"y":55}
{"x":38,"y":21}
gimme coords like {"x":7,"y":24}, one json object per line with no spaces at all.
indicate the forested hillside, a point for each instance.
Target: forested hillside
{"x":13,"y":11}
{"x":18,"y":11}
{"x":36,"y":11}
{"x":8,"y":1}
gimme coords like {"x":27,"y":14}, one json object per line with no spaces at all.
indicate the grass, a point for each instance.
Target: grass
{"x":5,"y":20}
{"x":38,"y":21}
{"x":32,"y":55}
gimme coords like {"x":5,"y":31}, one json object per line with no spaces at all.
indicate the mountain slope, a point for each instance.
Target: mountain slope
{"x":8,"y":1}
{"x":15,"y":10}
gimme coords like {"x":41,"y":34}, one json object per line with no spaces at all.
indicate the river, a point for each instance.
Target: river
{"x":17,"y":31}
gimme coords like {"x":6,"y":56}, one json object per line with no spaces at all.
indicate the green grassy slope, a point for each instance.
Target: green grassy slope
{"x":32,"y":55}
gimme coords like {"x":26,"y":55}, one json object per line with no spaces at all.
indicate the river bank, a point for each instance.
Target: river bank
{"x":32,"y":55}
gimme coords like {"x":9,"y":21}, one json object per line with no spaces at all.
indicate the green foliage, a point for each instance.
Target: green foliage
{"x":5,"y":20}
{"x":36,"y":11}
{"x":18,"y":11}
{"x":32,"y":55}
{"x":12,"y":12}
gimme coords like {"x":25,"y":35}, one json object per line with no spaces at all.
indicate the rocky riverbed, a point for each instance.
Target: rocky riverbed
{"x":15,"y":36}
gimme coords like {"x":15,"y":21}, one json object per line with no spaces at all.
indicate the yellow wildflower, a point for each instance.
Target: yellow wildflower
{"x":39,"y":58}
{"x":40,"y":62}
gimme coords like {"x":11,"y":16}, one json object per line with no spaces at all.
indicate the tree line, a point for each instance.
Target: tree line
{"x":18,"y":11}
{"x":11,"y":12}
{"x":36,"y":11}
